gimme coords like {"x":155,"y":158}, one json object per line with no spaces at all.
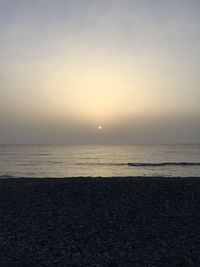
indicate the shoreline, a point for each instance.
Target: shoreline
{"x":118,"y":221}
{"x":10,"y":177}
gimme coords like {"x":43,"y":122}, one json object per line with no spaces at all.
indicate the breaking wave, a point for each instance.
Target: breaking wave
{"x":162,"y":164}
{"x":140,"y":164}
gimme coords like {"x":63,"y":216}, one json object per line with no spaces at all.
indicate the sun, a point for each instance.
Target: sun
{"x":100,"y":127}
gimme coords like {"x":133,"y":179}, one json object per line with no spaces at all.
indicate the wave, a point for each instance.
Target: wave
{"x":140,"y":164}
{"x":162,"y":164}
{"x":130,"y":164}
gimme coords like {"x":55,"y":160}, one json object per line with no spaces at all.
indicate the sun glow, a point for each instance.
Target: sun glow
{"x":93,"y":86}
{"x":97,"y":94}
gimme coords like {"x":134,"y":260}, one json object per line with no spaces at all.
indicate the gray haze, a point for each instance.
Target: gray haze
{"x":68,"y":67}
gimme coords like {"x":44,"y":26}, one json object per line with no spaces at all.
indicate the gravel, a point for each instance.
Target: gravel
{"x":100,"y":222}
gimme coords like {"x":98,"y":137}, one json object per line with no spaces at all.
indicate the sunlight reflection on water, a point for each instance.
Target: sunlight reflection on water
{"x":68,"y":161}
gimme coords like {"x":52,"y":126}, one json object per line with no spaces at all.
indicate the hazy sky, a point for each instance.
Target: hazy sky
{"x":68,"y":66}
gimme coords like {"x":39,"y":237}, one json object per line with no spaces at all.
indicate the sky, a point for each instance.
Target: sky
{"x":70,"y":66}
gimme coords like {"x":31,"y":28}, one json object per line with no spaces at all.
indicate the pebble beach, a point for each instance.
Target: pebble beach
{"x":100,"y":222}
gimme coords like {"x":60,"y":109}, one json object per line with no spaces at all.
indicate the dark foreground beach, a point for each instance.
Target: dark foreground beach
{"x":100,"y":222}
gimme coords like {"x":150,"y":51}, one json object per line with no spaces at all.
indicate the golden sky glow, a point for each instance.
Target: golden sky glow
{"x":98,"y":62}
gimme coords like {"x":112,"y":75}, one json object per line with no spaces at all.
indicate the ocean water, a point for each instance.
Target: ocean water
{"x":74,"y":161}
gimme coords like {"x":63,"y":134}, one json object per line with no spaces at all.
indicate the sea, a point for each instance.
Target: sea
{"x":39,"y":161}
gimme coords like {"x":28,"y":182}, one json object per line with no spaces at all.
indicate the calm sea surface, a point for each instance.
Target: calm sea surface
{"x":68,"y":161}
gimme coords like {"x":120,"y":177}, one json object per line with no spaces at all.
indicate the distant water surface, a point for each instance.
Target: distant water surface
{"x":116,"y":160}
